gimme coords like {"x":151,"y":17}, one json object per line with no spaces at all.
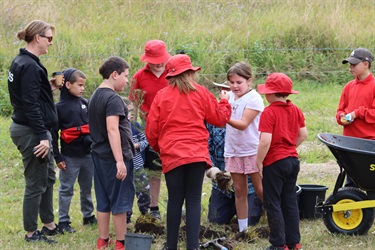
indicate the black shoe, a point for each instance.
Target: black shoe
{"x":65,"y":227}
{"x":90,"y":220}
{"x":155,"y":214}
{"x":39,"y":237}
{"x":52,"y":232}
{"x":276,"y":247}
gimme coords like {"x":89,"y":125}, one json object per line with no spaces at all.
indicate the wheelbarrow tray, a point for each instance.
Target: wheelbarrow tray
{"x":355,"y":155}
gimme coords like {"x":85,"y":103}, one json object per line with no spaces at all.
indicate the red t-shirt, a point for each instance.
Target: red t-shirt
{"x":359,"y":96}
{"x":149,"y":84}
{"x":283,"y":121}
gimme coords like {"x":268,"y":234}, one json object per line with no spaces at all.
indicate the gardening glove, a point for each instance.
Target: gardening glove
{"x":222,"y":179}
{"x":212,"y":172}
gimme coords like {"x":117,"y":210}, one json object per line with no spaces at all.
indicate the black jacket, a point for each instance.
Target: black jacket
{"x":31,"y":94}
{"x":72,"y":112}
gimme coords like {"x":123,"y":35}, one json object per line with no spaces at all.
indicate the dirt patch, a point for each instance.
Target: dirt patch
{"x":324,"y":174}
{"x":330,"y":168}
{"x":229,"y":237}
{"x":147,"y":224}
{"x":209,"y":236}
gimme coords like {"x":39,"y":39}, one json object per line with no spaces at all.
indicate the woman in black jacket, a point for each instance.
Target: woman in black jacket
{"x":34,"y":115}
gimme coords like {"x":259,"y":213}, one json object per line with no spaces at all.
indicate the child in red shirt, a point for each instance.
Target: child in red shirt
{"x":358,"y":97}
{"x":282,"y":127}
{"x":176,"y":129}
{"x":356,"y":109}
{"x":145,"y":84}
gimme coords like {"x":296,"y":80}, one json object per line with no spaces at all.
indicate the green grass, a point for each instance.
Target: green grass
{"x":318,"y":102}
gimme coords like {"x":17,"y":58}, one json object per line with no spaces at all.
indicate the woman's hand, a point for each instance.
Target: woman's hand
{"x":42,"y":149}
{"x":52,"y":82}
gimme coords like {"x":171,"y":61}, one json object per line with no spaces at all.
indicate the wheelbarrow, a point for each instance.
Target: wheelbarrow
{"x":350,"y":210}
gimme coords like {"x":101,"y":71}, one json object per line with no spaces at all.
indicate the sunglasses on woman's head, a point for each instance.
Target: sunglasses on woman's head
{"x":48,"y":37}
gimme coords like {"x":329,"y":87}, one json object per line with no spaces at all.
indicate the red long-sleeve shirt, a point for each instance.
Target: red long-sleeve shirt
{"x":359,"y":96}
{"x":176,"y":128}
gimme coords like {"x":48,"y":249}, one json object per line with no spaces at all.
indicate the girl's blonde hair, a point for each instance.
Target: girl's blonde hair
{"x":36,"y":27}
{"x":184,"y":81}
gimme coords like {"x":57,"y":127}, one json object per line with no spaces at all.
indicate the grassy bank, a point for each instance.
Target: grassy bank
{"x":305,"y":39}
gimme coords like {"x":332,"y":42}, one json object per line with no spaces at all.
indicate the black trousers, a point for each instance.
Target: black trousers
{"x":280,"y":201}
{"x":184,"y":183}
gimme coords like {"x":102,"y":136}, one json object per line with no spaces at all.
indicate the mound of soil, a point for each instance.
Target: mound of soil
{"x":225,"y":235}
{"x":263,"y":232}
{"x":148,"y":224}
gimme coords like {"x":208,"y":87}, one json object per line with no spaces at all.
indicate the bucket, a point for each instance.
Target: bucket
{"x":298,"y":192}
{"x":138,"y":241}
{"x":307,"y":200}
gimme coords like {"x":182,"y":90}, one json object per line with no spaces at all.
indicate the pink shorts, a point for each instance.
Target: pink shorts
{"x":241,"y":165}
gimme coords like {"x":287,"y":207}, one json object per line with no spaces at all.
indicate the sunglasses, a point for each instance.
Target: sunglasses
{"x":48,"y":37}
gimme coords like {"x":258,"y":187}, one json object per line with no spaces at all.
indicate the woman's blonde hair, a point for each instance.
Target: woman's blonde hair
{"x":184,"y":81}
{"x":36,"y":27}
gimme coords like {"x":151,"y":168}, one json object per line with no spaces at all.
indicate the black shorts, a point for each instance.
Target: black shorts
{"x":152,"y":161}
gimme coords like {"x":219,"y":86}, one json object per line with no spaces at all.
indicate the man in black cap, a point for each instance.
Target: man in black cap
{"x":356,"y":110}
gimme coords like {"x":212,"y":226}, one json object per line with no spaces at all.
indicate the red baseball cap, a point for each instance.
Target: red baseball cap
{"x":155,"y":52}
{"x":178,"y":64}
{"x":277,"y":83}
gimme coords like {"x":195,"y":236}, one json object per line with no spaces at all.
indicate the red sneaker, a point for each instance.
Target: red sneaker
{"x":102,"y":244}
{"x":119,"y":246}
{"x":296,"y":247}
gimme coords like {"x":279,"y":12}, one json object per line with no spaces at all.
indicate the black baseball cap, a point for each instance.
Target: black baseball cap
{"x":359,"y":55}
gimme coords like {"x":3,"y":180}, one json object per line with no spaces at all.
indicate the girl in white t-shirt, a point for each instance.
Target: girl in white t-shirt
{"x":242,"y":137}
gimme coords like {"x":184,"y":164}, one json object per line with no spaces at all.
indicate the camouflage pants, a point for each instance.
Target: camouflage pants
{"x":142,"y":191}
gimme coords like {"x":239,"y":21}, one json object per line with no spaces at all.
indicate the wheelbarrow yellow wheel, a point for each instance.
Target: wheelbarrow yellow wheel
{"x":357,"y":221}
{"x":347,"y":220}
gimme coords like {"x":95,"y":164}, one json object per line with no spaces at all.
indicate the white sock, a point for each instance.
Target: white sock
{"x":242,"y":224}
